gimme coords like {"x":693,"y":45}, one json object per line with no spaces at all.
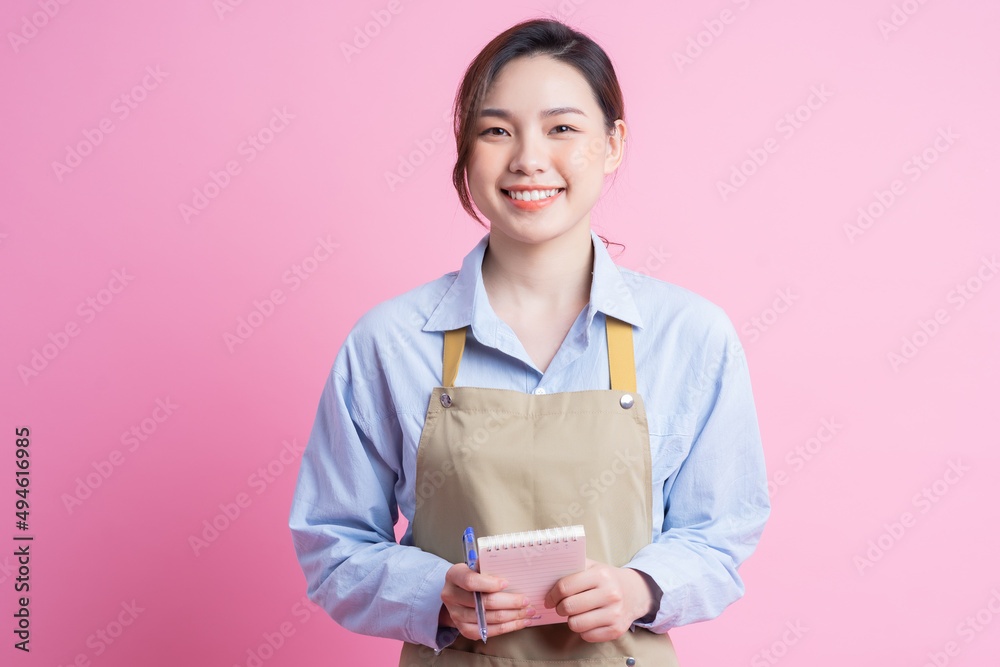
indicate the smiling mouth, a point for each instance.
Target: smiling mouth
{"x":531,"y":195}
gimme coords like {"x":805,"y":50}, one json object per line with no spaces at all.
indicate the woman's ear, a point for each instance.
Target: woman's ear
{"x":616,"y":147}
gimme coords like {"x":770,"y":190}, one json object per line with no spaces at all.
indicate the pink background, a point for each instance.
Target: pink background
{"x":822,"y":353}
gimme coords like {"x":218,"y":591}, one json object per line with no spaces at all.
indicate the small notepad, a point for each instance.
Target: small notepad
{"x":533,"y":562}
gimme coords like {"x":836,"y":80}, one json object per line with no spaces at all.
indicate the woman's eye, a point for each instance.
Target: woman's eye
{"x":495,"y":131}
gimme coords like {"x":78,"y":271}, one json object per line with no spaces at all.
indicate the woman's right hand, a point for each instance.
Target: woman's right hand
{"x":505,"y":612}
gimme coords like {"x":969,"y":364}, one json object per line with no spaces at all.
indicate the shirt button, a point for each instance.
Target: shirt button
{"x":540,"y":390}
{"x":630,"y":662}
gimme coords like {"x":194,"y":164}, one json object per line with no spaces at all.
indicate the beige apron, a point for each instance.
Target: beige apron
{"x":507,"y":461}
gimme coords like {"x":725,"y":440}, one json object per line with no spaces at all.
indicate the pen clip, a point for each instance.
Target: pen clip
{"x":469,"y":547}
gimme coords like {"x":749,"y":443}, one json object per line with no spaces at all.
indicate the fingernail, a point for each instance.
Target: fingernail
{"x":530,"y":611}
{"x":527,"y":622}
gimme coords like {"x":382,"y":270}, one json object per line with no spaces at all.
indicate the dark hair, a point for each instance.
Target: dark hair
{"x":529,"y":38}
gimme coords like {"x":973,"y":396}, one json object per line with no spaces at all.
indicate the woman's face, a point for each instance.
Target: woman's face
{"x":540,"y":128}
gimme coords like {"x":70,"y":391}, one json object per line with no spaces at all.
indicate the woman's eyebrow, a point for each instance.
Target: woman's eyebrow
{"x":506,"y":115}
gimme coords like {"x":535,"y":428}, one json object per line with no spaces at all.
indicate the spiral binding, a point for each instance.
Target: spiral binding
{"x":531,"y":538}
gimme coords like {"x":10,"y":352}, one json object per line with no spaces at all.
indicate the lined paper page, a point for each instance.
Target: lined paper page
{"x":533,"y":562}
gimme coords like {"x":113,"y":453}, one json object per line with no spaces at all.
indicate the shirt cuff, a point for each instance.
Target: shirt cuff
{"x":426,"y":609}
{"x":657,"y":595}
{"x":659,"y":620}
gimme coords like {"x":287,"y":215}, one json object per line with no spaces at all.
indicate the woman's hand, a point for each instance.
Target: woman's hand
{"x":505,"y":612}
{"x":602,"y":601}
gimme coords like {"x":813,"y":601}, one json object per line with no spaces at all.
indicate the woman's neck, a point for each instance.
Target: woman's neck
{"x":538,"y":278}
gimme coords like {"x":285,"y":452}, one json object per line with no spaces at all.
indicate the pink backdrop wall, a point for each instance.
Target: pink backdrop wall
{"x":170,"y":168}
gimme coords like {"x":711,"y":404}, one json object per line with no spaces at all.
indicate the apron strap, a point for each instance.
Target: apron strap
{"x":454,"y":345}
{"x":621,"y":355}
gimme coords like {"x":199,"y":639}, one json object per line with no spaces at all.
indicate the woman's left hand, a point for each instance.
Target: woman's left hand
{"x":602,"y":601}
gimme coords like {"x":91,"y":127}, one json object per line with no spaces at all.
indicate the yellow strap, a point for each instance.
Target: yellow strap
{"x":454,"y":345}
{"x":621,"y":356}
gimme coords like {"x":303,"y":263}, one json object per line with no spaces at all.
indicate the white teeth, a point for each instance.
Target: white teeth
{"x":532,"y":195}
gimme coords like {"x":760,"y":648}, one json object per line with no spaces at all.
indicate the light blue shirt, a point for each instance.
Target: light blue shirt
{"x":710,"y":499}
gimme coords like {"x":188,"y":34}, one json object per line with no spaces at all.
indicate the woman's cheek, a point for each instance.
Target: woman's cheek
{"x":586,"y":154}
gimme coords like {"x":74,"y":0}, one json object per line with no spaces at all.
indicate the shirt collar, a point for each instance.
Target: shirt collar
{"x":466,"y":303}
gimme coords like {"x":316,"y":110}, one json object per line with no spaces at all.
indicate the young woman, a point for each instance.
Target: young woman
{"x":540,"y":385}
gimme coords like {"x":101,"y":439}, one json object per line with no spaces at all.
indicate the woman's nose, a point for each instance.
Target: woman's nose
{"x":529,"y":155}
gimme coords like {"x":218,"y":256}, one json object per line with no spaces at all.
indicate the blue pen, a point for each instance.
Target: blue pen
{"x":472,"y":560}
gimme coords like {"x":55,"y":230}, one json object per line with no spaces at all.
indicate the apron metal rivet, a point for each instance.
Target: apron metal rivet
{"x":446,"y":400}
{"x":627,"y":401}
{"x":630,"y":662}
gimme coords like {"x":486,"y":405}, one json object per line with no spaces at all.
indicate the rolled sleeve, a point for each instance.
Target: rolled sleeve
{"x":716,"y":504}
{"x":342,"y":518}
